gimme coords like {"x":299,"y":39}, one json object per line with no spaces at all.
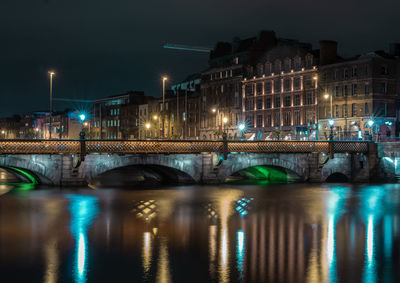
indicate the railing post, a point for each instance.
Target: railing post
{"x":225,"y":145}
{"x":83,"y":145}
{"x":331,"y":150}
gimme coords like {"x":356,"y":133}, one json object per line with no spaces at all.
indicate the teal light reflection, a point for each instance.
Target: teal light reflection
{"x":335,"y":207}
{"x":371,"y":198}
{"x":240,"y":251}
{"x":83,"y":210}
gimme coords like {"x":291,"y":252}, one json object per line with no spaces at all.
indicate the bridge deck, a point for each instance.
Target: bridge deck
{"x":168,"y":146}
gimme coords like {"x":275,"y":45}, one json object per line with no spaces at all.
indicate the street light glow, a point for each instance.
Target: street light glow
{"x":155,"y":117}
{"x":147,"y":125}
{"x":82,"y":117}
{"x":331,"y":122}
{"x":164,"y":78}
{"x":326,"y":95}
{"x":241,"y":126}
{"x":225,"y":120}
{"x":370,"y":123}
{"x":214,"y":110}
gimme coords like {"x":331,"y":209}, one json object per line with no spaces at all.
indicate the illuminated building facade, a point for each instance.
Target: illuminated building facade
{"x":279,"y":92}
{"x":221,"y":84}
{"x":116,"y":117}
{"x":364,"y":88}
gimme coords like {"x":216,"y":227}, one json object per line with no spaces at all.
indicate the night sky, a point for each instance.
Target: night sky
{"x":100,"y":48}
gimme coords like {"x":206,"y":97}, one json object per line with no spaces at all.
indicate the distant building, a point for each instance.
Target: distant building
{"x":279,"y":93}
{"x":363,"y":88}
{"x":117,"y":117}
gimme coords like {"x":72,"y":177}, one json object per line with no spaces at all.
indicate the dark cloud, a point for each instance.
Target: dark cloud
{"x":101,"y":47}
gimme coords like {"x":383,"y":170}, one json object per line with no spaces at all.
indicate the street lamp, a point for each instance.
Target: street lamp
{"x":331,"y":122}
{"x":51,"y":74}
{"x":326,"y":96}
{"x":224,"y":121}
{"x":147,"y":125}
{"x":241,"y":127}
{"x":164,"y":79}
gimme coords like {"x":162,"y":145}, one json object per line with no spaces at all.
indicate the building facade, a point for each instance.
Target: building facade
{"x":361,"y":96}
{"x":279,"y":93}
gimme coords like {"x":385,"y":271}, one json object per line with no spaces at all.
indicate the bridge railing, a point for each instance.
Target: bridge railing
{"x":168,"y":146}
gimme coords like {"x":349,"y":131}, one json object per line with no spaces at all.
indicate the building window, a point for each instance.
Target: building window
{"x":277,"y":121}
{"x":336,"y":91}
{"x":345,"y":73}
{"x":259,"y":88}
{"x":268,"y":68}
{"x":335,"y":75}
{"x":249,"y":90}
{"x":268,"y":102}
{"x":287,"y":84}
{"x":288,"y":120}
{"x":345,"y":110}
{"x":277,"y":85}
{"x":309,"y":61}
{"x":309,"y":98}
{"x":366,"y":109}
{"x":366,"y":89}
{"x":354,"y":71}
{"x":277,"y":103}
{"x":384,"y":109}
{"x":296,"y":83}
{"x":267,"y":87}
{"x":250,"y":121}
{"x":288,"y":64}
{"x":259,"y":121}
{"x":297,"y":117}
{"x":287,"y":102}
{"x":277,"y":66}
{"x":384,"y":70}
{"x":384,"y":88}
{"x":249,"y":104}
{"x":268,"y":120}
{"x":336,"y":111}
{"x":259,"y":103}
{"x":297,"y":99}
{"x":354,"y":89}
{"x":297,"y":63}
{"x":353,"y":110}
{"x":345,"y":90}
{"x":259,"y":69}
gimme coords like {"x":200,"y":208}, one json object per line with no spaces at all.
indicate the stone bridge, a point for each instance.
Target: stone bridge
{"x":57,"y":162}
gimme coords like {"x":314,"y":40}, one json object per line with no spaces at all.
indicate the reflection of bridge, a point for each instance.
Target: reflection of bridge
{"x":56,"y":161}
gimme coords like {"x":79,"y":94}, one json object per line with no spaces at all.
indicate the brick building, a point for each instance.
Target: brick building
{"x":279,"y":92}
{"x":221,"y":83}
{"x":362,"y":88}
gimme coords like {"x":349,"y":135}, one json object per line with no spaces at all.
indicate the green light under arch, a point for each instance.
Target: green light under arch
{"x":26,"y":174}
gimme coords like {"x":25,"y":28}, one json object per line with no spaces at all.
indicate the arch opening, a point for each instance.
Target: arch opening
{"x":16,"y":175}
{"x":265,"y":174}
{"x":141,"y":176}
{"x":337,"y":178}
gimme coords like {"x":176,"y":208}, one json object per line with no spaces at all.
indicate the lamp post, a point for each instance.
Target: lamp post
{"x":224,"y":120}
{"x":241,"y":127}
{"x":331,"y":122}
{"x":51,"y":74}
{"x":147,"y":128}
{"x":370,"y":124}
{"x":164,"y":79}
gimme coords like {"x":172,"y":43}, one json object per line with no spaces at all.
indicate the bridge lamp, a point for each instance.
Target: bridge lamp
{"x":82,"y":117}
{"x":370,"y":123}
{"x":241,"y":127}
{"x":331,"y":122}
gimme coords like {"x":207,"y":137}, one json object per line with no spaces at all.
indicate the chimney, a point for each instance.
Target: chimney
{"x":327,"y":52}
{"x":394,"y":49}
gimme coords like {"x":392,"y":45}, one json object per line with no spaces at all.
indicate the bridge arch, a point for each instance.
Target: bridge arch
{"x":97,"y":164}
{"x":298,"y":163}
{"x":44,"y":168}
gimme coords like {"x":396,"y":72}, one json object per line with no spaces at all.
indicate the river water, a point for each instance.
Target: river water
{"x":230,"y":233}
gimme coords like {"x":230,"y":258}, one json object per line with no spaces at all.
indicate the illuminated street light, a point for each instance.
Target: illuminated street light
{"x":147,"y":125}
{"x":214,"y":110}
{"x":370,"y":123}
{"x":82,"y":117}
{"x":326,"y":96}
{"x":241,"y":126}
{"x":51,"y":74}
{"x":224,"y":120}
{"x":155,"y":117}
{"x":164,"y":79}
{"x":331,"y":122}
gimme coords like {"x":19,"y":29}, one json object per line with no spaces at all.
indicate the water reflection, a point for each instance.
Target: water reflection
{"x":83,"y":210}
{"x":299,"y":233}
